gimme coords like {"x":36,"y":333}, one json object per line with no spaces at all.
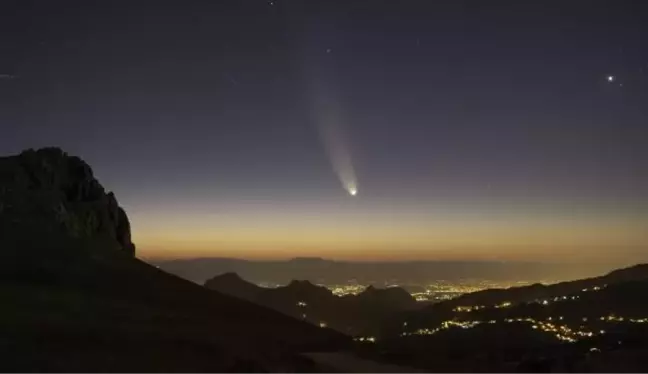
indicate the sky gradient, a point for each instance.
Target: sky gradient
{"x":472,"y":130}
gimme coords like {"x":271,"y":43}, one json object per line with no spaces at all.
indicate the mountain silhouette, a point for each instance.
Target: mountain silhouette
{"x":391,"y":297}
{"x":326,"y":271}
{"x":360,"y":314}
{"x":76,"y":299}
{"x":232,"y":284}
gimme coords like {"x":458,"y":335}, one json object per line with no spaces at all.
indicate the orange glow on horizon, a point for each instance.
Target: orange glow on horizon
{"x":520,"y":240}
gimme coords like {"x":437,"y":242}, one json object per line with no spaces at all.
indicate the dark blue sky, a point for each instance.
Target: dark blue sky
{"x":203,"y":114}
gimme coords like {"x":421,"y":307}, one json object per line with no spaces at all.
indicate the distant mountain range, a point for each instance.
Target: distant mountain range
{"x":410,"y":274}
{"x":360,"y":314}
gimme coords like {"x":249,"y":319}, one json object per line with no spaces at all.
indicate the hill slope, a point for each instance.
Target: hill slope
{"x":539,"y":291}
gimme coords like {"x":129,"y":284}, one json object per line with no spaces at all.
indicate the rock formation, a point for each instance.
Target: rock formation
{"x":49,"y":197}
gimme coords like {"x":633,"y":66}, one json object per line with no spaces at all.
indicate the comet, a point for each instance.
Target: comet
{"x":335,"y":140}
{"x":327,"y":112}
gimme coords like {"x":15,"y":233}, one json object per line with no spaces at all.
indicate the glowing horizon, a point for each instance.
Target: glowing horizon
{"x":349,"y":232}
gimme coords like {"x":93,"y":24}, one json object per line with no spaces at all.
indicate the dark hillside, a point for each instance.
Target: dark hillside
{"x":76,"y":299}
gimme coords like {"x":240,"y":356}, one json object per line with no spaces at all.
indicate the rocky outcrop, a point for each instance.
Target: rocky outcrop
{"x":47,"y":195}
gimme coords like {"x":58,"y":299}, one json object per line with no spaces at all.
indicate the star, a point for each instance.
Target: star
{"x":610,"y":78}
{"x":328,"y":50}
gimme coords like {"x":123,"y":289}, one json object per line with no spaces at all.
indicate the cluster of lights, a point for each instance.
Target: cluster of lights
{"x":301,"y":303}
{"x":369,"y":339}
{"x":438,"y":290}
{"x":435,"y":296}
{"x":572,"y":297}
{"x":442,"y":290}
{"x":468,"y":308}
{"x":559,"y":331}
{"x":543,"y":302}
{"x":269,"y":285}
{"x":473,"y":285}
{"x":614,"y":318}
{"x":343,"y":290}
{"x":445,"y":325}
{"x":506,"y":304}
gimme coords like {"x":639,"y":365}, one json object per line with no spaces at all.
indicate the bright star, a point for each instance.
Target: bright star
{"x":611,"y":78}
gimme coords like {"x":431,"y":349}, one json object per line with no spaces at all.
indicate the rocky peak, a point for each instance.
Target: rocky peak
{"x":395,"y":296}
{"x":229,"y":279}
{"x":232,"y":284}
{"x":46,"y":194}
{"x":306,"y":290}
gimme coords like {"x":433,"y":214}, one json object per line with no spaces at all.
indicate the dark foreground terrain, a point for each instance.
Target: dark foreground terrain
{"x":74,"y":298}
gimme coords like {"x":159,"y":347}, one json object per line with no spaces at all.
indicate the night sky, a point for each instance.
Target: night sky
{"x":469,"y":130}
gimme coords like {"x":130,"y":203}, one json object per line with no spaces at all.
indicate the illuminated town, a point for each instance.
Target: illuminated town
{"x":559,"y":331}
{"x":435,"y":291}
{"x":345,"y":289}
{"x":556,"y":326}
{"x":442,"y":290}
